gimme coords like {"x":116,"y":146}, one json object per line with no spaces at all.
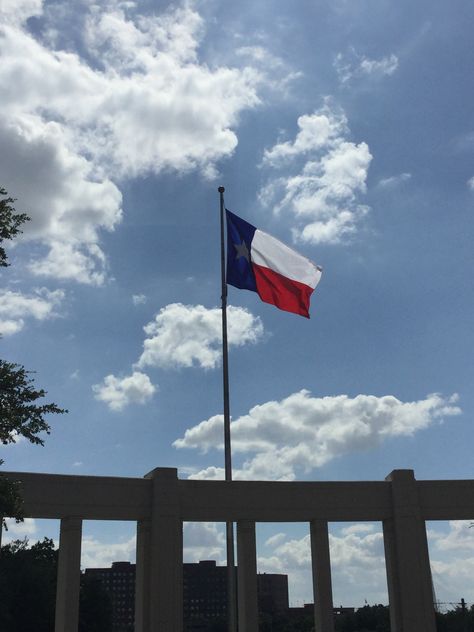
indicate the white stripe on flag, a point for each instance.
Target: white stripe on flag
{"x":274,"y":254}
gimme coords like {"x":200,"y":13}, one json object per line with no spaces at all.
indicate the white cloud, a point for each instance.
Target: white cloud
{"x":357,"y":565}
{"x":179,"y":336}
{"x":452,"y":559}
{"x":68,"y":202}
{"x":20,"y":530}
{"x":17,"y":11}
{"x":299,"y":433}
{"x":394,"y":181}
{"x":15,"y":307}
{"x":203,"y":541}
{"x":470,"y":183}
{"x":137,"y":101}
{"x":316,"y":131}
{"x":98,"y":554}
{"x":278,"y":76}
{"x":139,"y":299}
{"x":356,"y":550}
{"x":384,"y":66}
{"x":460,"y":537}
{"x":118,"y":393}
{"x":322,"y":193}
{"x":275,"y":540}
{"x":351,"y":66}
{"x":190,"y":335}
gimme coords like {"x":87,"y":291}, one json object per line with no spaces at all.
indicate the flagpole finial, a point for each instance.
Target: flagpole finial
{"x":221,"y":189}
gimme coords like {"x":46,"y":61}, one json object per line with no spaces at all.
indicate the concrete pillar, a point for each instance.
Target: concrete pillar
{"x":166,"y":553}
{"x":247,"y":576}
{"x":407,"y":559}
{"x":142,"y":577}
{"x":322,"y":585}
{"x":69,"y":576}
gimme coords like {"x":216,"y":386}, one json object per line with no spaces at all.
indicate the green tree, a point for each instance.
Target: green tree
{"x":10,"y":222}
{"x":28,"y":591}
{"x":28,"y":586}
{"x":20,"y":414}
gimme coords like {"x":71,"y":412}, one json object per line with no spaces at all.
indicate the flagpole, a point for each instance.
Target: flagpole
{"x":231,"y":588}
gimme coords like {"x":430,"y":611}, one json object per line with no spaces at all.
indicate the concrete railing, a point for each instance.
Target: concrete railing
{"x":160,"y":502}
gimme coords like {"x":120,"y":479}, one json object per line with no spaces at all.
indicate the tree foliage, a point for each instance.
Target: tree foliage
{"x":28,"y":586}
{"x":10,"y":222}
{"x":28,"y":591}
{"x":20,"y":414}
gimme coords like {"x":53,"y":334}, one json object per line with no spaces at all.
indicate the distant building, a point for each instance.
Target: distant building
{"x":204,"y":594}
{"x":119,"y":582}
{"x":272,"y":593}
{"x":338,"y":611}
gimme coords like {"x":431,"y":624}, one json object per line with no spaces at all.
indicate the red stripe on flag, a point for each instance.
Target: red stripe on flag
{"x":278,"y":290}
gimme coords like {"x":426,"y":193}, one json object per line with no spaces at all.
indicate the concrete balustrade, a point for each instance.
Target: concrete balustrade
{"x":160,"y":503}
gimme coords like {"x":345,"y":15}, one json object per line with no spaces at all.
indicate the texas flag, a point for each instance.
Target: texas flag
{"x":257,"y":261}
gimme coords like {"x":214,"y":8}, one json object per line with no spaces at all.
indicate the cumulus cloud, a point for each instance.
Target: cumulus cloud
{"x":179,"y":336}
{"x":299,"y":433}
{"x":203,"y":541}
{"x":452,"y":559}
{"x":470,"y":183}
{"x":134,"y":98}
{"x":321,"y":193}
{"x":316,"y":131}
{"x":118,"y":393}
{"x":351,"y":66}
{"x":98,"y":554}
{"x":16,"y":307}
{"x":357,"y":564}
{"x":460,"y":537}
{"x":191,"y":335}
{"x":18,"y":11}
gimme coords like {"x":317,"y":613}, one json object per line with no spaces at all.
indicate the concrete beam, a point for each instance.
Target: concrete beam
{"x":121,"y":498}
{"x":262,"y":501}
{"x":91,"y":497}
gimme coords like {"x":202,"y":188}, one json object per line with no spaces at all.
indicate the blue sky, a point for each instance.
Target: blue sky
{"x":343,"y":128}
